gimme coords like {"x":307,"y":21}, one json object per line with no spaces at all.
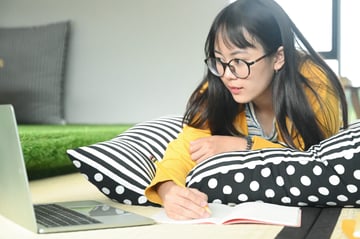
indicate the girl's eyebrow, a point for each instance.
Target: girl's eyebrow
{"x":232,"y":53}
{"x":218,"y":52}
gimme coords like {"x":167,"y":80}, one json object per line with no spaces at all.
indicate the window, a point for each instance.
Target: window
{"x":318,"y":21}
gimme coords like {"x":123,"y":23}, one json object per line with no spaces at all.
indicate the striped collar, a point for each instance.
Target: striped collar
{"x":254,"y":127}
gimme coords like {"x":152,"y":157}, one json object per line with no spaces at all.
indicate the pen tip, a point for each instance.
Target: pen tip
{"x":208,"y":209}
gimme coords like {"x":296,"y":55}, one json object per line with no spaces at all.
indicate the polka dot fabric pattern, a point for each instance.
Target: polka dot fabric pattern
{"x":121,"y":168}
{"x":328,"y":174}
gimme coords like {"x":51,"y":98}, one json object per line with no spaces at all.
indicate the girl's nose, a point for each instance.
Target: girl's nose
{"x":228,"y":74}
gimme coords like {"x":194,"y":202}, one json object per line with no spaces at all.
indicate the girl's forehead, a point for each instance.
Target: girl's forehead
{"x":222,"y":39}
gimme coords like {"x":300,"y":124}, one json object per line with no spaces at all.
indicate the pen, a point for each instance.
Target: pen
{"x":176,"y":181}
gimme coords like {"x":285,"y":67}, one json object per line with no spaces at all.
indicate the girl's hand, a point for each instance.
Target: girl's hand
{"x":182,"y":203}
{"x":204,"y":148}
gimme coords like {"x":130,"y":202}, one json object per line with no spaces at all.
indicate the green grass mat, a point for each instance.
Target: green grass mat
{"x":44,"y":146}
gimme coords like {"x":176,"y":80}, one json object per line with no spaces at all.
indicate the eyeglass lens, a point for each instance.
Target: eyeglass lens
{"x":238,"y":67}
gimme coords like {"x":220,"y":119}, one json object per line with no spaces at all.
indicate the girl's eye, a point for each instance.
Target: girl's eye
{"x":218,"y":59}
{"x":238,"y":61}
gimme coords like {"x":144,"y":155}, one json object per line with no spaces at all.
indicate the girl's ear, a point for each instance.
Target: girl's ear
{"x":279,"y":58}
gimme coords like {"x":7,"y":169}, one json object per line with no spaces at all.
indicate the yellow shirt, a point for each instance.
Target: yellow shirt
{"x":177,"y":161}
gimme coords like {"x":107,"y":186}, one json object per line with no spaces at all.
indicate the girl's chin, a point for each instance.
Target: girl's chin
{"x":240,"y":100}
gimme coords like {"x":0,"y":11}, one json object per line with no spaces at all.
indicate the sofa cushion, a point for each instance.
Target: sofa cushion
{"x":122,"y":167}
{"x":32,"y":78}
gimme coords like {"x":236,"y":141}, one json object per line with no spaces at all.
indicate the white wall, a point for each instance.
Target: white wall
{"x":350,"y":44}
{"x":129,"y":61}
{"x":135,"y":60}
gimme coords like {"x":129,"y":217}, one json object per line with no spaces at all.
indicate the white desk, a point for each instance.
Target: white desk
{"x":75,"y":187}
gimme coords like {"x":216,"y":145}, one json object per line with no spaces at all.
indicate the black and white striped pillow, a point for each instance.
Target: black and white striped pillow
{"x":123,"y":167}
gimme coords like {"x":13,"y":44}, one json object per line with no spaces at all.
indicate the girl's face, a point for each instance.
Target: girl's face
{"x":256,"y":87}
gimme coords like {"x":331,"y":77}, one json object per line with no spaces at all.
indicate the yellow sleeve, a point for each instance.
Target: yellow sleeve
{"x":324,"y":102}
{"x":327,"y":109}
{"x":177,"y":162}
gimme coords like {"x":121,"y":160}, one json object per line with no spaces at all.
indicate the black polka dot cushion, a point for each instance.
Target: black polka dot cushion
{"x":328,"y":174}
{"x":122,"y":167}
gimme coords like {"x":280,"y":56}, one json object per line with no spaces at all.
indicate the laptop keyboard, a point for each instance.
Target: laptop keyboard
{"x":53,"y":215}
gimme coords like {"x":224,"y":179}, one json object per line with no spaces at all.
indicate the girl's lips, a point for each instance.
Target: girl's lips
{"x":235,"y":90}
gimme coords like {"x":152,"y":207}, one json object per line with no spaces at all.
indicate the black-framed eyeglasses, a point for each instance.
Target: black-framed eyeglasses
{"x":239,"y":67}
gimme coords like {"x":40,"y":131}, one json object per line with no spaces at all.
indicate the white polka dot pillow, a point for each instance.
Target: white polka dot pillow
{"x":122,"y":167}
{"x":328,"y":174}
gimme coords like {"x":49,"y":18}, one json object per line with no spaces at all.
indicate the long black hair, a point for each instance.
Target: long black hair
{"x":214,"y":107}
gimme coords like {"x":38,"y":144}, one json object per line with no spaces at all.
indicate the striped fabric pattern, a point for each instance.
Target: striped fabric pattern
{"x":154,"y":134}
{"x":254,"y":127}
{"x":122,"y":167}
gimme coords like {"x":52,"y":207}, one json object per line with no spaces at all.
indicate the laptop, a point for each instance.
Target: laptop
{"x":16,"y":203}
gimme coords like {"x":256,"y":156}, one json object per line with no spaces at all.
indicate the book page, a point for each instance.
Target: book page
{"x":218,"y":212}
{"x":249,"y":212}
{"x":267,"y":213}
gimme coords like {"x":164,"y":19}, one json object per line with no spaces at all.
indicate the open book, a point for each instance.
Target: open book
{"x":249,"y":212}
